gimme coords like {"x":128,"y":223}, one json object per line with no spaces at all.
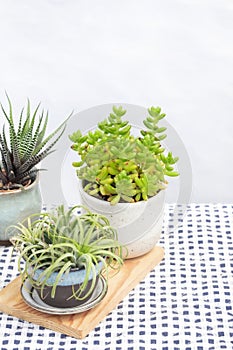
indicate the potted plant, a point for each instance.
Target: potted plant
{"x":64,"y":253}
{"x":22,"y":147}
{"x":123,"y":174}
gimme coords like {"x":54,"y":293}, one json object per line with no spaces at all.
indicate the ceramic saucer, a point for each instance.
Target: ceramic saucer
{"x":31,"y":298}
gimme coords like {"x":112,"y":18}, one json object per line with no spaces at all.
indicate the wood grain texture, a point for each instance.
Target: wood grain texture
{"x":79,"y":325}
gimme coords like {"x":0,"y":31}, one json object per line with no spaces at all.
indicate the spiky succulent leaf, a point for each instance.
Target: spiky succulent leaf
{"x":25,"y":146}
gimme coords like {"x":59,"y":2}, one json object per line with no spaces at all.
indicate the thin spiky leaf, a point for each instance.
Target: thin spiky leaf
{"x":7,"y":163}
{"x":27,"y":135}
{"x":12,"y":132}
{"x":4,"y":112}
{"x":14,"y":142}
{"x":34,"y":160}
{"x":26,"y":124}
{"x":20,"y":155}
{"x":48,"y":138}
{"x":31,"y":174}
{"x":10,"y":108}
{"x":32,"y":141}
{"x":42,"y":132}
{"x":15,"y":150}
{"x":20,"y":123}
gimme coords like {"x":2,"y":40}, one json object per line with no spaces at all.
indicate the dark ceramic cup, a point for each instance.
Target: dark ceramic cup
{"x":67,"y":287}
{"x":64,"y":295}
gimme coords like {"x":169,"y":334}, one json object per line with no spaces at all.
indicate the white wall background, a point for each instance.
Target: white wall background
{"x":172,"y":53}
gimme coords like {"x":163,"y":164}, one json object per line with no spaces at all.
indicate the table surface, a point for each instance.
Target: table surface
{"x":184,"y":303}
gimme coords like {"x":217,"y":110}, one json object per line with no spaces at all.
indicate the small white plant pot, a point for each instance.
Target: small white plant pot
{"x":139,"y":225}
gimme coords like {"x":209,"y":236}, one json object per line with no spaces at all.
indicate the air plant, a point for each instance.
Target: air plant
{"x":62,"y":240}
{"x":117,"y":166}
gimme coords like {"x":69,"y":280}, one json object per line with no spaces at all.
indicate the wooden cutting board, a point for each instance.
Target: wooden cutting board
{"x":79,"y":325}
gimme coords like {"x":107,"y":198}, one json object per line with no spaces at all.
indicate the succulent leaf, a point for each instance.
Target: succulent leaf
{"x":120,"y":166}
{"x":26,"y":146}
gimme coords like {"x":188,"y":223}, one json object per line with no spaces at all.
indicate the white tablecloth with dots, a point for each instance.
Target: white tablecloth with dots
{"x":184,"y":303}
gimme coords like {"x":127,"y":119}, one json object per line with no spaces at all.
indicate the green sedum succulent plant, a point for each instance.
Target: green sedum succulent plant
{"x":25,"y":147}
{"x":119,"y":167}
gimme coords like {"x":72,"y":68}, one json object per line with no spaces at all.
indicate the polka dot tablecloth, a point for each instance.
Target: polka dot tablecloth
{"x":184,"y":303}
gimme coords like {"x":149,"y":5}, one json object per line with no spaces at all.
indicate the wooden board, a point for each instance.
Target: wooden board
{"x":79,"y":325}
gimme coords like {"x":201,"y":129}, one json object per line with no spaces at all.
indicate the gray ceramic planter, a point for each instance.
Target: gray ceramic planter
{"x":17,"y":205}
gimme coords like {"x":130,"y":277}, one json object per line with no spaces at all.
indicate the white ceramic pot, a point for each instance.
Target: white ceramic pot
{"x":17,"y":205}
{"x":139,"y":225}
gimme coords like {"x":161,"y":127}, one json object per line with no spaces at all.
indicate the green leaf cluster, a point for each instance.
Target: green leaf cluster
{"x":62,"y":240}
{"x":24,"y":145}
{"x":119,"y":167}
